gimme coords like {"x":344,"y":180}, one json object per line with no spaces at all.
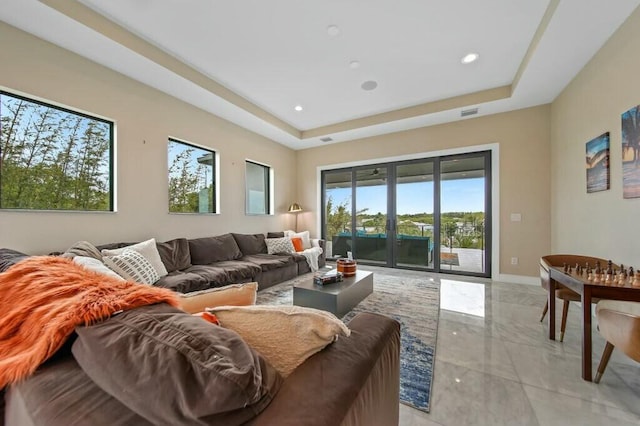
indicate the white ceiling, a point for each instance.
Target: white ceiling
{"x":277,"y":54}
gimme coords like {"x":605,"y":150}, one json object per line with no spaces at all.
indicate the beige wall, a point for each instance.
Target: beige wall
{"x":35,"y":67}
{"x":601,"y":224}
{"x":523,"y":139}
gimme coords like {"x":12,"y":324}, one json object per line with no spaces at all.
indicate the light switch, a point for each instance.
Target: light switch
{"x":516,"y":217}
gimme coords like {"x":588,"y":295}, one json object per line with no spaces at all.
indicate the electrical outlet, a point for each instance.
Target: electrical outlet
{"x":514,"y":260}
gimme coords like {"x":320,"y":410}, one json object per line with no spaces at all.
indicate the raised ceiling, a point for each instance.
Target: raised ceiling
{"x":253,"y":61}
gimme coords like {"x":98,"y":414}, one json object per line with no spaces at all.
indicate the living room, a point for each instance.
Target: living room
{"x":538,"y":150}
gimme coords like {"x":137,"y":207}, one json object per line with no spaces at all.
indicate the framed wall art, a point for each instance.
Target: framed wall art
{"x":598,"y":173}
{"x":630,"y":153}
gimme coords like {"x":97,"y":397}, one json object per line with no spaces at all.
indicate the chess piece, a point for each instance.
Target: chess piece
{"x":589,"y":274}
{"x":636,"y":280}
{"x":565,"y":268}
{"x":607,"y":277}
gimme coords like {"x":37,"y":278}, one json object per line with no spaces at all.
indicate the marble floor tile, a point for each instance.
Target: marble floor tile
{"x":556,"y":409}
{"x":462,"y":396}
{"x":500,"y":368}
{"x":561,"y":373}
{"x":412,"y":417}
{"x":466,"y":347}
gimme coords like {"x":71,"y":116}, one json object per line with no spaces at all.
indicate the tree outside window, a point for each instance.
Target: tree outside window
{"x":52,"y":158}
{"x":191,"y":178}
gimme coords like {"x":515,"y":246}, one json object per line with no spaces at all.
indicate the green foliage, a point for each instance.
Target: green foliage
{"x":51,"y":159}
{"x":338,"y":217}
{"x":188,"y":179}
{"x":458,"y":229}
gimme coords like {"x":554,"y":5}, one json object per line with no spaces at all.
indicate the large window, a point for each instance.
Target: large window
{"x":429,"y":213}
{"x":258,"y":188}
{"x":192,"y":180}
{"x":52,"y":158}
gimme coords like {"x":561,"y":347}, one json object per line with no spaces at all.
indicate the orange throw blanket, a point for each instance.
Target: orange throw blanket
{"x":42,"y":300}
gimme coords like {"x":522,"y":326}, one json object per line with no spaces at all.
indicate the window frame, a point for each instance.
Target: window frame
{"x":69,"y":110}
{"x":268,"y":184}
{"x":215,"y":176}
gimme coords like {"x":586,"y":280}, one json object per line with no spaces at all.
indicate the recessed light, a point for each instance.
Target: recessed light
{"x":298,"y":108}
{"x":354,"y":64}
{"x":333,"y":30}
{"x":369,"y":85}
{"x":469,"y":57}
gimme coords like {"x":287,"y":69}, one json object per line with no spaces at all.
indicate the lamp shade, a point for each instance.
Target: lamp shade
{"x":295,"y":208}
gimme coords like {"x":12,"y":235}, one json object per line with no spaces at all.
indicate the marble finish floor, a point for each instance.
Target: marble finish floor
{"x":495,"y":365}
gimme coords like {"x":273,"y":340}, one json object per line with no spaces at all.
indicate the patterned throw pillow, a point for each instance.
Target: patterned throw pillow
{"x":132,"y":266}
{"x":148,"y":250}
{"x":279,"y":245}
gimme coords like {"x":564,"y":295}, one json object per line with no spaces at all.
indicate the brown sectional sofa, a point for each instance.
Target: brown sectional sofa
{"x":354,"y":381}
{"x":202,"y":263}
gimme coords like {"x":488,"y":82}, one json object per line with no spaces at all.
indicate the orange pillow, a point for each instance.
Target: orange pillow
{"x":297,"y":243}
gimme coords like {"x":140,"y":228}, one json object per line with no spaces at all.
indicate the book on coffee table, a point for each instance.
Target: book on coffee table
{"x":330,"y":277}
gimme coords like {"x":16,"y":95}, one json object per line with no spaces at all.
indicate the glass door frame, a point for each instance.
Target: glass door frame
{"x":391,"y":226}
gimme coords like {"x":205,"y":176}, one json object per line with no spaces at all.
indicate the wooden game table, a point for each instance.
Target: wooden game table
{"x":587,"y":290}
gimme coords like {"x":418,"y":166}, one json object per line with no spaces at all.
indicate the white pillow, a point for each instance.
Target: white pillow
{"x":285,"y":335}
{"x":148,"y":250}
{"x":132,"y":266}
{"x":304,"y":235}
{"x":95,"y":265}
{"x":279,"y":245}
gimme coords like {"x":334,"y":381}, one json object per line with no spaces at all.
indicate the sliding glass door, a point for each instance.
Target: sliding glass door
{"x":463,"y":211}
{"x":413,"y":211}
{"x":370,"y":239}
{"x":430,"y":214}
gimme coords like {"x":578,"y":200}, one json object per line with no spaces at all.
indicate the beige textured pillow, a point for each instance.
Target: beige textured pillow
{"x":148,"y":250}
{"x":285,"y":335}
{"x":229,"y":295}
{"x":279,"y":245}
{"x":132,"y":266}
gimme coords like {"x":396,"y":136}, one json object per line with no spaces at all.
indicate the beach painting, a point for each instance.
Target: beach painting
{"x":630,"y":153}
{"x":598,"y":164}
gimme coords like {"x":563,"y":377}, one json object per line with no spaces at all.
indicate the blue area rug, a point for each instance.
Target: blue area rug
{"x":412,"y":299}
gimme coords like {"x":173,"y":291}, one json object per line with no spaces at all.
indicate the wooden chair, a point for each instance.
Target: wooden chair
{"x":563,"y":293}
{"x":619,"y":324}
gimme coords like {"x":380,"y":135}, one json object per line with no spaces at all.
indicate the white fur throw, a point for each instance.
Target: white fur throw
{"x":285,"y":335}
{"x":312,"y":254}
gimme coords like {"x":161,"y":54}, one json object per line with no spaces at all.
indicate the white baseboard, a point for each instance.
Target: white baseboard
{"x":518,"y":279}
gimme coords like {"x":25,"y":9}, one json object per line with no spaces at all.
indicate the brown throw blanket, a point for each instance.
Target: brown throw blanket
{"x":43,"y":298}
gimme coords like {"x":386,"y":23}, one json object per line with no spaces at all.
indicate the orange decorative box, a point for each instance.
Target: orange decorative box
{"x":347,"y":267}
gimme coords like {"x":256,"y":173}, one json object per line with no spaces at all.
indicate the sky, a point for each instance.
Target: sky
{"x":463,"y":195}
{"x":598,"y":144}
